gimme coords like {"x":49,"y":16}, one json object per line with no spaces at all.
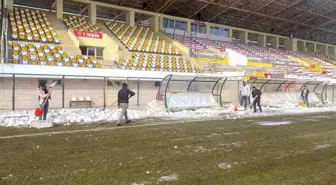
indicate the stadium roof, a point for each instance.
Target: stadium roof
{"x":306,"y":19}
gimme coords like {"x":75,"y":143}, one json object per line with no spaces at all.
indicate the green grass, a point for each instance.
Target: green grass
{"x":253,"y":154}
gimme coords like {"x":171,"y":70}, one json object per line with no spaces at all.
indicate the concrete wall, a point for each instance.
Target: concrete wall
{"x":26,"y":92}
{"x":5,"y":93}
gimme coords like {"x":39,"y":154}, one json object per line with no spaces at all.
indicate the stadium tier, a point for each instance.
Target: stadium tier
{"x":31,"y":25}
{"x":79,"y":23}
{"x":141,"y":39}
{"x":35,"y":41}
{"x":292,"y":63}
{"x":48,"y":54}
{"x":152,"y":62}
{"x":196,"y":47}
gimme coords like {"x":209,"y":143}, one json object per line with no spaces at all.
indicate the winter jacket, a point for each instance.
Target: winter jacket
{"x":42,"y":95}
{"x":124,"y":94}
{"x":245,"y":90}
{"x":304,"y":93}
{"x":256,"y":93}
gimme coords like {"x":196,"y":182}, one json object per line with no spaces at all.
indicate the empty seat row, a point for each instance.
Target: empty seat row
{"x":158,"y":63}
{"x":80,"y":23}
{"x":139,"y":38}
{"x":48,"y":54}
{"x":31,"y":25}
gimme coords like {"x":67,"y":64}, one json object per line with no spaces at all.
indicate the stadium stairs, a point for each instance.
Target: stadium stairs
{"x":67,"y":39}
{"x":122,"y":50}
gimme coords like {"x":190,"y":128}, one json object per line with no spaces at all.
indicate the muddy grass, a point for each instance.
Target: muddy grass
{"x":233,"y":152}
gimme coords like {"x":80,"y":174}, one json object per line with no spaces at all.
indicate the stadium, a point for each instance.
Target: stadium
{"x":212,"y":92}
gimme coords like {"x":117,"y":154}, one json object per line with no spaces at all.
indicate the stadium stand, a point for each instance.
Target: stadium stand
{"x":280,"y":59}
{"x":79,"y":23}
{"x":153,"y":62}
{"x":195,"y":44}
{"x":140,"y":39}
{"x":34,"y":41}
{"x":31,"y":25}
{"x":48,"y":54}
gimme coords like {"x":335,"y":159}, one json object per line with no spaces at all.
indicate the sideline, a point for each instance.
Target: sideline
{"x":90,"y":130}
{"x":311,"y":113}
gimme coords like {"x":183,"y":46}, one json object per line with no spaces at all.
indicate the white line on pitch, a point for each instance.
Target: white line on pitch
{"x":86,"y":130}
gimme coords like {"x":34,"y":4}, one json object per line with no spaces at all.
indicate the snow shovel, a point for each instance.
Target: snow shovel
{"x":251,"y":103}
{"x":105,"y":120}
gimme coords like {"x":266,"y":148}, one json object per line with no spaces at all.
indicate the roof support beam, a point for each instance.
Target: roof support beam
{"x":270,"y":16}
{"x":224,"y":10}
{"x":210,"y":1}
{"x":86,"y":7}
{"x":325,"y":23}
{"x":275,"y":13}
{"x":293,"y":18}
{"x":255,"y":11}
{"x":52,"y":6}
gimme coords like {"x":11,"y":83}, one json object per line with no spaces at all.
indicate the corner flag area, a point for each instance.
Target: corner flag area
{"x":296,"y":149}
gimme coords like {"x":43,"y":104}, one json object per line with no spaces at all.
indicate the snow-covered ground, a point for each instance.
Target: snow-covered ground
{"x":153,"y":110}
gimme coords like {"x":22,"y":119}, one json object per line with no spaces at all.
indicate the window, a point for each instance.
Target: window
{"x":42,"y":82}
{"x":99,"y":53}
{"x":113,"y":83}
{"x":193,"y":27}
{"x":157,"y":83}
{"x":183,"y":26}
{"x":177,"y":25}
{"x":92,"y":51}
{"x":165,"y":23}
{"x":171,"y":24}
{"x":198,"y":28}
{"x":219,"y":31}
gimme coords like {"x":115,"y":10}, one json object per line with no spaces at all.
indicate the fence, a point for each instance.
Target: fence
{"x":19,"y":91}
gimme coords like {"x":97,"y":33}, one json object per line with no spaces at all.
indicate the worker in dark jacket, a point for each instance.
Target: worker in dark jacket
{"x":256,"y":95}
{"x":123,"y":95}
{"x":304,"y":95}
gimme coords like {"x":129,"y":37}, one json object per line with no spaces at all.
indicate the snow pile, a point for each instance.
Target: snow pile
{"x":226,"y":166}
{"x":173,"y":177}
{"x":154,"y":109}
{"x":271,"y":123}
{"x":322,"y":146}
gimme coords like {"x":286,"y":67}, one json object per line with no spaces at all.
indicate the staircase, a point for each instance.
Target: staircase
{"x":122,"y":50}
{"x":68,"y":43}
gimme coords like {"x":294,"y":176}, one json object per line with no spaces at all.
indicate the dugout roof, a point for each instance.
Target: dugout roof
{"x":316,"y":86}
{"x":175,"y":83}
{"x":306,"y":19}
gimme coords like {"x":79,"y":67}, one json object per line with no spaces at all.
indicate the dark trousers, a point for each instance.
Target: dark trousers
{"x":244,"y":101}
{"x":255,"y":103}
{"x":45,"y":108}
{"x":305,"y":100}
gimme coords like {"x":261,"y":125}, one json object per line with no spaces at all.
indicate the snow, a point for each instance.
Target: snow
{"x":154,"y":109}
{"x":226,"y":166}
{"x":322,"y":146}
{"x":271,"y":123}
{"x":172,"y":177}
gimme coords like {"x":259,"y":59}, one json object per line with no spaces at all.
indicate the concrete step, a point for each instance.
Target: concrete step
{"x":67,"y":42}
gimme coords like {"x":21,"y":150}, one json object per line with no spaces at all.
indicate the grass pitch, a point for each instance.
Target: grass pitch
{"x":233,"y":152}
